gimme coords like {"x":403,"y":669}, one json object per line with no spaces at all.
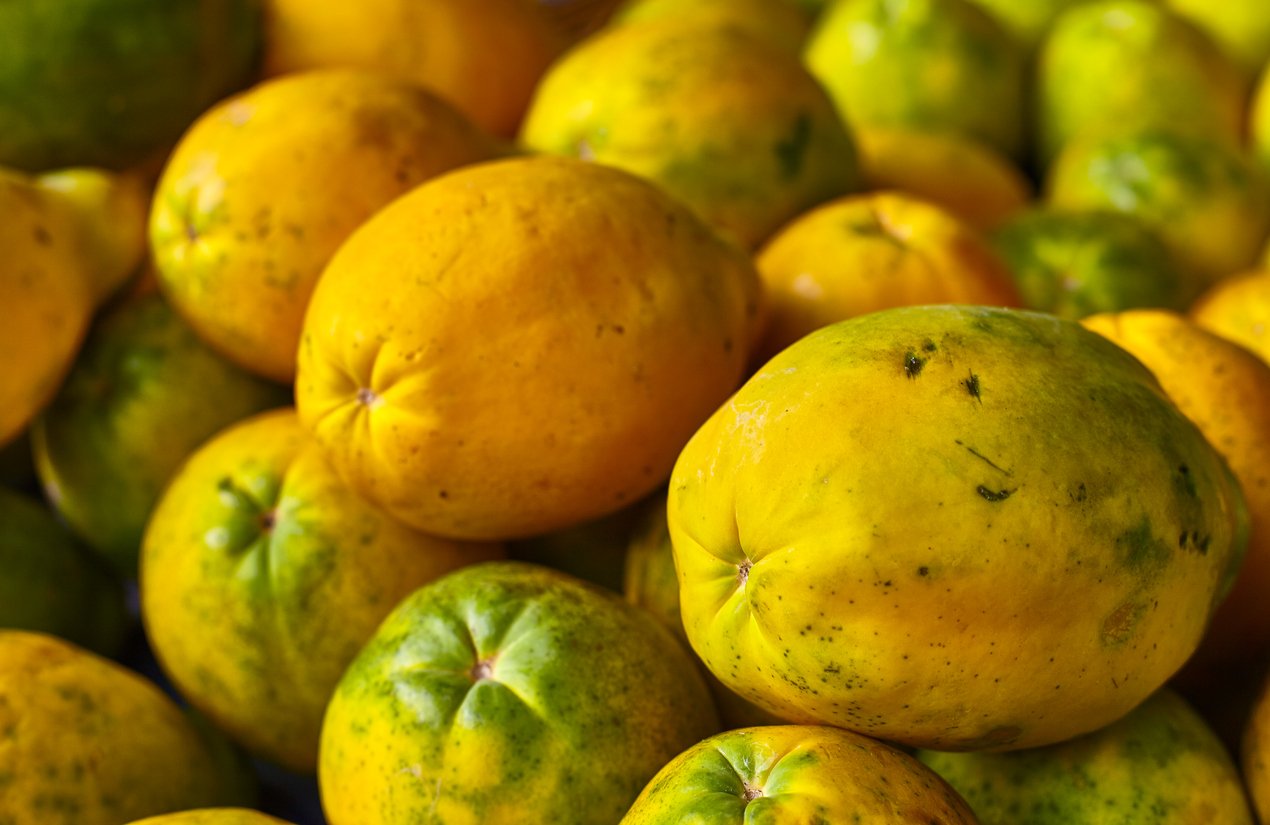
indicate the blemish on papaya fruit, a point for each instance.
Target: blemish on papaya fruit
{"x":982,"y":457}
{"x":42,"y":236}
{"x":1118,"y":626}
{"x":743,"y":572}
{"x":751,"y":792}
{"x":913,"y":364}
{"x":1184,"y":482}
{"x":972,"y":386}
{"x":993,"y":495}
{"x":1139,"y":547}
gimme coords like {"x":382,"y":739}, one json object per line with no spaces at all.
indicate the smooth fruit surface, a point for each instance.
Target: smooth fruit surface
{"x":467,"y":414}
{"x":796,"y":774}
{"x":967,"y":177}
{"x":952,"y":527}
{"x":1238,"y":309}
{"x":266,"y":185}
{"x":484,"y":58}
{"x":1160,"y":764}
{"x":508,"y":693}
{"x":865,"y":253}
{"x":262,"y":576}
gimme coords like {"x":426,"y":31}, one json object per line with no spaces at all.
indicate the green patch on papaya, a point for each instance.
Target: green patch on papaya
{"x":792,"y":149}
{"x":1140,"y":550}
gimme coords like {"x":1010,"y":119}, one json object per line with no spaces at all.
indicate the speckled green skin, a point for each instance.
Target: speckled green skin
{"x":730,"y":124}
{"x":952,"y":527}
{"x":1202,"y":195}
{"x":86,"y":741}
{"x":1160,"y":765}
{"x":144,"y":393}
{"x":580,"y":701}
{"x":1075,"y":264}
{"x":1123,"y":65}
{"x":107,"y":82}
{"x":928,"y":65}
{"x":803,"y":775}
{"x":51,"y":583}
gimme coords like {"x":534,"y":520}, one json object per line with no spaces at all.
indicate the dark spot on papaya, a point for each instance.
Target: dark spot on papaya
{"x":929,"y":345}
{"x":993,"y":495}
{"x":1184,"y":482}
{"x":972,"y":386}
{"x":42,"y":236}
{"x":923,"y":570}
{"x":792,"y":148}
{"x":443,"y":494}
{"x":913,"y":364}
{"x":268,"y":519}
{"x":743,"y":572}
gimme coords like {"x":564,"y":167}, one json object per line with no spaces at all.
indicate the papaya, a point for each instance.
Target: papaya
{"x":952,"y":527}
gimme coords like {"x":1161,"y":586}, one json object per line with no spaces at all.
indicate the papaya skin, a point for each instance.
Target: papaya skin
{"x":508,"y":693}
{"x":519,"y":369}
{"x":142,"y":395}
{"x":213,"y":816}
{"x":718,"y":116}
{"x":796,"y":773}
{"x":262,"y":576}
{"x":51,"y":583}
{"x":1159,"y":764}
{"x":112,"y":83}
{"x":85,"y":741}
{"x":265,"y":186}
{"x":1225,"y":390}
{"x":71,"y":239}
{"x":971,"y":569}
